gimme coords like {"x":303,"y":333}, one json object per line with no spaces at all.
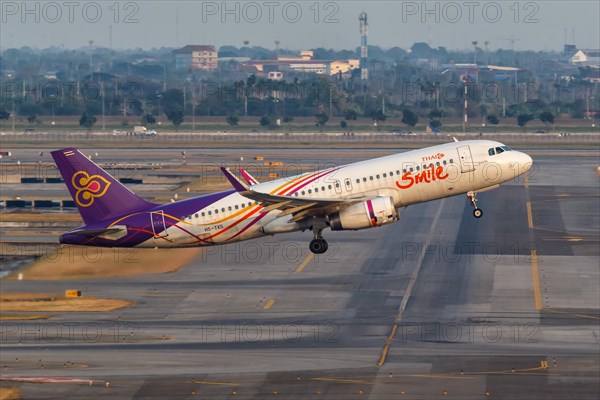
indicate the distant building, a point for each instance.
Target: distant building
{"x":275,"y":75}
{"x":201,"y":57}
{"x":586,"y":58}
{"x":343,"y":67}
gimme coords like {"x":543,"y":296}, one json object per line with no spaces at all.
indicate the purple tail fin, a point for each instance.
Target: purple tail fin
{"x":98,"y":195}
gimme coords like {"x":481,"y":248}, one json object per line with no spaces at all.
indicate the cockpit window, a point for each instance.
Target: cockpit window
{"x":499,"y":150}
{"x":491,"y":152}
{"x":506,"y":148}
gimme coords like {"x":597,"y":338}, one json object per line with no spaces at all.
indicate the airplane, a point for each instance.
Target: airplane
{"x":356,"y":196}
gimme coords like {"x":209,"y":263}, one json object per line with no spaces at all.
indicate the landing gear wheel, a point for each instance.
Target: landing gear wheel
{"x":472,"y":196}
{"x":318,"y":246}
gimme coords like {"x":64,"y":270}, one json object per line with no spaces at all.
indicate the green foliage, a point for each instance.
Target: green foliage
{"x":435,"y":123}
{"x":87,"y":120}
{"x":233,"y":119}
{"x":175,"y":116}
{"x":409,"y":118}
{"x":547,"y":117}
{"x":264,"y":121}
{"x":4,"y":115}
{"x":493,"y":119}
{"x":437,"y":113}
{"x":523,"y":119}
{"x":322,"y":119}
{"x":288,"y":118}
{"x":343,"y":124}
{"x":148,"y":119}
{"x":350,"y":114}
{"x":378,"y":115}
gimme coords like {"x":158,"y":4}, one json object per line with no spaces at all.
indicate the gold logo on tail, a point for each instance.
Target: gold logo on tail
{"x":88,"y":188}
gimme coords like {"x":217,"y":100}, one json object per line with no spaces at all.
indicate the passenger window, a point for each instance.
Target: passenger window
{"x":391,"y":173}
{"x":230,"y":208}
{"x":398,"y":172}
{"x":217,"y":211}
{"x":210,"y":213}
{"x":444,"y":162}
{"x":203,"y":214}
{"x":377,"y":176}
{"x":385,"y":175}
{"x":323,"y":188}
{"x":329,"y":187}
{"x":411,"y":169}
{"x":371,"y":178}
{"x":364,"y":179}
{"x":237,"y":207}
{"x":437,"y":163}
{"x":358,"y":181}
{"x":418,"y":167}
{"x":309,"y":191}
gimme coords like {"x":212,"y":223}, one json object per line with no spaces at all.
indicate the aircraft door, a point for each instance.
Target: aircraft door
{"x":159,"y":228}
{"x":337,"y":186}
{"x":465,"y":158}
{"x":348,"y":183}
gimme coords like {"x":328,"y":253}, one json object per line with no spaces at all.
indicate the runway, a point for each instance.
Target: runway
{"x":437,"y":306}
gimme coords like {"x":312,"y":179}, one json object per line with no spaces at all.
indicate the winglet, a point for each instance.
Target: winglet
{"x":248,"y":178}
{"x":237,"y":184}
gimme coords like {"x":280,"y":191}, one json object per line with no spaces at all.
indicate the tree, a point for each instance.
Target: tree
{"x":547,"y":117}
{"x":409,"y":118}
{"x":148,"y":119}
{"x":175,"y":116}
{"x":87,"y":120}
{"x":523,"y":119}
{"x":350,"y":114}
{"x":322,"y":119}
{"x":4,"y":115}
{"x":233,"y":119}
{"x":493,"y":119}
{"x":31,"y":118}
{"x":343,"y":124}
{"x":264,"y":121}
{"x":435,"y":123}
{"x":379,"y":116}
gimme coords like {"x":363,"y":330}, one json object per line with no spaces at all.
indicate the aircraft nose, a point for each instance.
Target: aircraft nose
{"x":525,"y":162}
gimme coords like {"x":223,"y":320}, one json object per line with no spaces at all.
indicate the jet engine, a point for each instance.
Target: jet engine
{"x":368,"y":214}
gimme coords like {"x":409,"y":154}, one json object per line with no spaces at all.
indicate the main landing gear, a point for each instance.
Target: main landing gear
{"x":477,"y":212}
{"x":318,"y":245}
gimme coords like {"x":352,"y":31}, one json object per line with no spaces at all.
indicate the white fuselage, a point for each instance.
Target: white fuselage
{"x":408,"y":178}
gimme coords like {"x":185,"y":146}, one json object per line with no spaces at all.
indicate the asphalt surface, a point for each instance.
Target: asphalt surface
{"x":437,"y":306}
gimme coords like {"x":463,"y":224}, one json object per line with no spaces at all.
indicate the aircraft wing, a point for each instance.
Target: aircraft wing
{"x":299,"y":206}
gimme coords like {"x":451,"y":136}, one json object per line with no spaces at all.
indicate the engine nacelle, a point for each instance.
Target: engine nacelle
{"x":368,"y":214}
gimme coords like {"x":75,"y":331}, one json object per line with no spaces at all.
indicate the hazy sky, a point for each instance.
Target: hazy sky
{"x":538,"y":25}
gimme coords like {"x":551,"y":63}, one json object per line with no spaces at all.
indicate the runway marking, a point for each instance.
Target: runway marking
{"x":410,"y":286}
{"x":214,"y":383}
{"x":536,"y":280}
{"x":529,"y":215}
{"x":304,"y":263}
{"x":550,"y":310}
{"x":269,"y":304}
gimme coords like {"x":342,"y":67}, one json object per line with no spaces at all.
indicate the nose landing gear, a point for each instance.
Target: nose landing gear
{"x":477,"y":212}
